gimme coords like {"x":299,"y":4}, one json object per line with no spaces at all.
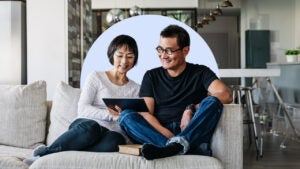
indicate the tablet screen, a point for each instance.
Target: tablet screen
{"x":137,"y":104}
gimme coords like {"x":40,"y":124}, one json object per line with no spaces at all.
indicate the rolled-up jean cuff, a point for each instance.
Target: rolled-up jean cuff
{"x":182,"y":141}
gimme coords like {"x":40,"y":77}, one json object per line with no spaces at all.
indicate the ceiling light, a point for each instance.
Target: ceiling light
{"x":205,"y":20}
{"x":199,"y":25}
{"x":226,"y":3}
{"x":135,"y":11}
{"x":217,"y":10}
{"x":114,"y":15}
{"x":211,"y":16}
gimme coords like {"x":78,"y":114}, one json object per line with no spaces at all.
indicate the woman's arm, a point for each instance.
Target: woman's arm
{"x":88,"y":94}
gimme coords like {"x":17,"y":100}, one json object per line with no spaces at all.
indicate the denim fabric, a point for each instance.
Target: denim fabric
{"x":174,"y":127}
{"x":139,"y":130}
{"x":86,"y":135}
{"x":196,"y":133}
{"x":202,"y":125}
{"x":182,"y":141}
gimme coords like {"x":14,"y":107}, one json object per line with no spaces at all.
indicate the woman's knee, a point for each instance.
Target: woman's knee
{"x":115,"y":137}
{"x":87,"y":125}
{"x":111,"y":141}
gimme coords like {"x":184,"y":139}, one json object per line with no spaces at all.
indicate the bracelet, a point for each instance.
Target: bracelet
{"x":191,"y":107}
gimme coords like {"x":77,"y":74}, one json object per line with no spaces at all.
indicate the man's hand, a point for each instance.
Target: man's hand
{"x":186,"y":118}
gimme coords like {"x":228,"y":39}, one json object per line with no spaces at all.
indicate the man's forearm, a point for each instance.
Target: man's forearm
{"x":156,"y":124}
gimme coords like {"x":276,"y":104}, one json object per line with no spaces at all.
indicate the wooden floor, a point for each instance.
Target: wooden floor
{"x":274,"y":157}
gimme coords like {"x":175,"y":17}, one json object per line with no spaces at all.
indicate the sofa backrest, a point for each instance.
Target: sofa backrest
{"x":23,"y":114}
{"x":63,"y":110}
{"x":227,"y":140}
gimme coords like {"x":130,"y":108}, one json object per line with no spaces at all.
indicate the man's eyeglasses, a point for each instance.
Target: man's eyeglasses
{"x":168,"y":51}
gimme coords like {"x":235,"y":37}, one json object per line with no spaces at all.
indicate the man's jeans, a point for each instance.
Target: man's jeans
{"x":196,"y":134}
{"x":86,"y":135}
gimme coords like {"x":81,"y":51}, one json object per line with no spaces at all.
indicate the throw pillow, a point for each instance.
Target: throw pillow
{"x":63,"y":111}
{"x":23,"y":114}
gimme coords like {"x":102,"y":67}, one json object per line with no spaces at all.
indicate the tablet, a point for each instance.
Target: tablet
{"x":137,"y":104}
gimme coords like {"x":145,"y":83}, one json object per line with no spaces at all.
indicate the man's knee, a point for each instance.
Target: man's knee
{"x":212,"y":99}
{"x":212,"y":102}
{"x":126,"y":114}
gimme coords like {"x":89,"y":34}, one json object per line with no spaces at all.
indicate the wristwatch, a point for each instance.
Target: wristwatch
{"x":191,"y":107}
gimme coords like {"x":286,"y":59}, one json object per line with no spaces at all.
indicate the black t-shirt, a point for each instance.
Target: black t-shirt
{"x":173,"y":94}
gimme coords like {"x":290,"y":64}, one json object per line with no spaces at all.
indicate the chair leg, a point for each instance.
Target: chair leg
{"x":251,"y":111}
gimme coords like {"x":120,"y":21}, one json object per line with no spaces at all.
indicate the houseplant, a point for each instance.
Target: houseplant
{"x":291,"y":55}
{"x":299,"y":54}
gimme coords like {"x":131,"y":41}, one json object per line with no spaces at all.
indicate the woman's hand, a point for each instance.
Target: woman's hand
{"x":115,"y":111}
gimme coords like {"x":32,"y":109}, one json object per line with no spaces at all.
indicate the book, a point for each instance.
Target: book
{"x":137,"y":104}
{"x":132,"y":149}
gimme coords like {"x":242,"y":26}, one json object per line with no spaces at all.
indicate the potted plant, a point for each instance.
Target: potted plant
{"x":299,"y":54}
{"x":291,"y":55}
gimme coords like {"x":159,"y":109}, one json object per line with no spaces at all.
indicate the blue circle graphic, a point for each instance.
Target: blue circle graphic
{"x":145,"y":29}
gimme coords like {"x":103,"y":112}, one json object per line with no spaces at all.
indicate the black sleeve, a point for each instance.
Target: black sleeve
{"x":208,"y":77}
{"x":146,"y":89}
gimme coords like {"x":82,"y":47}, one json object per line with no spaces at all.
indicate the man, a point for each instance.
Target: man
{"x":185,"y":101}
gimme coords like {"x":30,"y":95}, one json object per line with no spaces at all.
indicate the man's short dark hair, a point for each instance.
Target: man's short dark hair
{"x":119,"y":42}
{"x":183,"y":38}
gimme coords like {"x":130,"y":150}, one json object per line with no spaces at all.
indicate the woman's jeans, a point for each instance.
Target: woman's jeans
{"x":196,"y":135}
{"x":86,"y":135}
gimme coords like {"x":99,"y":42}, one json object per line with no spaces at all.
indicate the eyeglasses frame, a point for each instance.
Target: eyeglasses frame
{"x":166,"y":50}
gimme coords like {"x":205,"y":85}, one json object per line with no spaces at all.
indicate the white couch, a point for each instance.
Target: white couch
{"x":24,"y":124}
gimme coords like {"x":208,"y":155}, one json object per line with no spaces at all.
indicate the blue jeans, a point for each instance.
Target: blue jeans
{"x":198,"y":132}
{"x":86,"y":135}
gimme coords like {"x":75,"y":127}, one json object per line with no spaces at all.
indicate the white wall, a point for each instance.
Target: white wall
{"x":297,"y":24}
{"x":11,"y":42}
{"x":105,"y":4}
{"x":275,"y":15}
{"x":47,"y":42}
{"x":226,"y":25}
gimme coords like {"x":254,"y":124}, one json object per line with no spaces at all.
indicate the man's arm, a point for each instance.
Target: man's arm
{"x":218,"y":89}
{"x":152,"y":120}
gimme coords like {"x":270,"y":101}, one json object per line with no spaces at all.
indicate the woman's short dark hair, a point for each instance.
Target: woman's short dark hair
{"x":183,"y":38}
{"x":120,"y":41}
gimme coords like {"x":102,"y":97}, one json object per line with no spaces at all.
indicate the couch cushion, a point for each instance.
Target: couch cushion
{"x":12,"y":163}
{"x":64,"y":110}
{"x":90,"y":160}
{"x":12,"y":157}
{"x":23,"y":114}
{"x":9,"y":151}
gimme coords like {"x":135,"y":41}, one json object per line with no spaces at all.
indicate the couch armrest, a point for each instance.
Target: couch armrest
{"x":227,"y":141}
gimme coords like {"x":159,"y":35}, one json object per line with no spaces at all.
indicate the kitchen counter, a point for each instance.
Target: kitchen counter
{"x":231,"y":73}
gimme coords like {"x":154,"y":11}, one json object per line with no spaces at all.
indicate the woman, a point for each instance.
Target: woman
{"x":96,"y":128}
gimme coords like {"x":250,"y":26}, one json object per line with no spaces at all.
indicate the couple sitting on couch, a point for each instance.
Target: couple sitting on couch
{"x":181,"y":116}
